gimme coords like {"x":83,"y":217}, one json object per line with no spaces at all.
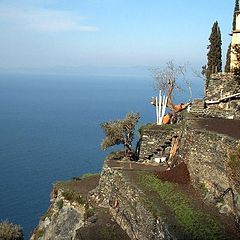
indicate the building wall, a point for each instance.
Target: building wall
{"x":218,"y":86}
{"x":235,"y":41}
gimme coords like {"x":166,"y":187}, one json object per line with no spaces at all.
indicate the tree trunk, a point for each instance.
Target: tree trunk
{"x":170,"y":104}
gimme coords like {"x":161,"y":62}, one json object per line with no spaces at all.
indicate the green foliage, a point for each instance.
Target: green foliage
{"x":228,"y":59}
{"x":72,"y":196}
{"x":90,"y":212}
{"x":10,"y":231}
{"x":236,"y":9}
{"x":194,"y":221}
{"x":234,"y":159}
{"x":60,"y":204}
{"x":120,"y":131}
{"x":39,"y":233}
{"x":215,"y":51}
{"x":88,"y":175}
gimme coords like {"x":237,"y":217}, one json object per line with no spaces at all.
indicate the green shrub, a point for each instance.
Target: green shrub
{"x":60,"y":204}
{"x":10,"y":231}
{"x":68,"y":195}
{"x":72,"y":196}
{"x":90,"y":212}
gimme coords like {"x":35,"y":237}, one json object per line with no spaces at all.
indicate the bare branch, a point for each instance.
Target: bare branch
{"x":165,"y":80}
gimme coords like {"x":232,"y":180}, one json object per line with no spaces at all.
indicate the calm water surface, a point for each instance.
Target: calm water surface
{"x":49,"y":131}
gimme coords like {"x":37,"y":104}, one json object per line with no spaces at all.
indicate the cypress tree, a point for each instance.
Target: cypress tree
{"x":228,"y":59}
{"x":215,"y":51}
{"x":236,"y":9}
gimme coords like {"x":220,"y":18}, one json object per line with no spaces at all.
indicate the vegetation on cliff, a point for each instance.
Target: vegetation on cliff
{"x":10,"y":231}
{"x":120,"y":132}
{"x":228,"y":59}
{"x":196,"y":222}
{"x":236,"y":9}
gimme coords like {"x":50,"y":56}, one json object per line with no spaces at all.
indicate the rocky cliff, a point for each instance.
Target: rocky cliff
{"x":194,"y":197}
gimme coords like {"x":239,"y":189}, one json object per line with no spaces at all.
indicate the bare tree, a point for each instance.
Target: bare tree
{"x":120,"y":132}
{"x":165,"y":80}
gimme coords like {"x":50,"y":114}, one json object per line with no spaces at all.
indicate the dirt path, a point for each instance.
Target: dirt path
{"x":128,"y":165}
{"x":222,"y":126}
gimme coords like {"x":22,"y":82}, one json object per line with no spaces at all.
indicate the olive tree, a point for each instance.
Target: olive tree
{"x":120,"y":132}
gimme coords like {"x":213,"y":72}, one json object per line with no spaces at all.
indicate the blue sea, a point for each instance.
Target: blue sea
{"x":49,"y":131}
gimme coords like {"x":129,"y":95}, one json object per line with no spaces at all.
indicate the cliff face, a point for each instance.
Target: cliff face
{"x":62,"y":219}
{"x":128,"y":201}
{"x":73,"y":216}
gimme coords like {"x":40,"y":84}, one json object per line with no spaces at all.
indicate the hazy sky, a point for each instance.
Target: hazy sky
{"x":49,"y":33}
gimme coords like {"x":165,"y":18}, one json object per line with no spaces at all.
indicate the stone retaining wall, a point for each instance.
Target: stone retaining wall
{"x":206,"y":156}
{"x":156,"y":142}
{"x":127,"y":207}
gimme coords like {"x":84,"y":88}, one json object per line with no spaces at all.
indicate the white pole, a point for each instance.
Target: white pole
{"x":160,"y":107}
{"x":164,"y":107}
{"x":157,"y":109}
{"x":161,"y":118}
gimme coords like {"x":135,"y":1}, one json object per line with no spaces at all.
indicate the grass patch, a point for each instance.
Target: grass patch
{"x":88,"y":175}
{"x":234,"y":159}
{"x":195,"y":222}
{"x":143,"y":128}
{"x":73,"y":196}
{"x":154,"y":127}
{"x":39,"y":233}
{"x":107,"y":234}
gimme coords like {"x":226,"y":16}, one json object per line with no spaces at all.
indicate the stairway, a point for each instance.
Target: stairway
{"x":197,"y":107}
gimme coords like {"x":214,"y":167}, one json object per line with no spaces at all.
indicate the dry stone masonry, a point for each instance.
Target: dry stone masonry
{"x":156,"y":143}
{"x":126,"y":204}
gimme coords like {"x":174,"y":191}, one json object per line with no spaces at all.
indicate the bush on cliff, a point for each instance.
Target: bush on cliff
{"x":10,"y":231}
{"x":120,"y":132}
